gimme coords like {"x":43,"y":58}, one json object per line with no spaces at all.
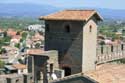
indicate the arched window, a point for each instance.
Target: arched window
{"x":51,"y":67}
{"x":67,"y":28}
{"x":17,"y":80}
{"x":90,"y":28}
{"x":122,"y":46}
{"x":112,"y":48}
{"x":102,"y":49}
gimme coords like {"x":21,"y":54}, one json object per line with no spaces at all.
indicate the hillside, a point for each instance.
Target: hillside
{"x":25,"y":10}
{"x":35,"y":10}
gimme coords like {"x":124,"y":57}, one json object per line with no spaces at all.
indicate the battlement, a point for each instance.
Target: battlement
{"x":106,"y":53}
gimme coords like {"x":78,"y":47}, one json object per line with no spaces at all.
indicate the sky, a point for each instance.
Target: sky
{"x":110,"y":4}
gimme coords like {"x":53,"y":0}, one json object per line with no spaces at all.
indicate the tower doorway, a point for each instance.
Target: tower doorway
{"x":67,"y":71}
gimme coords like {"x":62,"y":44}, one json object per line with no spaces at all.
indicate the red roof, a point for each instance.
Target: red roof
{"x":16,"y":37}
{"x":108,"y":73}
{"x":11,"y":32}
{"x":79,"y":15}
{"x":1,"y":30}
{"x":19,"y":66}
{"x":35,"y":51}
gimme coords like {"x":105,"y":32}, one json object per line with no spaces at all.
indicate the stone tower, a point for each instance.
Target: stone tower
{"x":73,"y":33}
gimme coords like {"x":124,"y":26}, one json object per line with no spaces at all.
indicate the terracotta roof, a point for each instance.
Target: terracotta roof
{"x":19,"y":66}
{"x":35,"y":51}
{"x":16,"y":37}
{"x":11,"y":32}
{"x":10,"y":48}
{"x":79,"y":15}
{"x":1,"y":30}
{"x":108,"y":73}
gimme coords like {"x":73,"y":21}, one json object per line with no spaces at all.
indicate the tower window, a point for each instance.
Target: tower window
{"x":102,"y":49}
{"x":51,"y":68}
{"x":90,"y":28}
{"x":111,"y":48}
{"x":122,"y":47}
{"x":67,"y":28}
{"x":47,"y":27}
{"x":17,"y":80}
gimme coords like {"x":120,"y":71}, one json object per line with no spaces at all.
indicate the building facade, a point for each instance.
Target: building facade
{"x":73,"y":33}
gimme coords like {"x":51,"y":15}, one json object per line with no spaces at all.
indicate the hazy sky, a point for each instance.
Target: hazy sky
{"x":112,"y":4}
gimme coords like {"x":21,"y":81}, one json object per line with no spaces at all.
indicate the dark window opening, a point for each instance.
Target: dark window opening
{"x":102,"y":49}
{"x":17,"y":80}
{"x":47,"y":28}
{"x":31,"y":78}
{"x":51,"y":68}
{"x":90,"y":28}
{"x":21,"y":70}
{"x":111,"y":48}
{"x":67,"y":71}
{"x":67,"y":28}
{"x":122,"y":47}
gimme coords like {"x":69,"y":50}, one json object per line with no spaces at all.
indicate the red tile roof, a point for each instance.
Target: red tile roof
{"x":19,"y":66}
{"x":35,"y":51}
{"x":108,"y":73}
{"x":1,"y":30}
{"x":79,"y":15}
{"x":16,"y":37}
{"x":11,"y":32}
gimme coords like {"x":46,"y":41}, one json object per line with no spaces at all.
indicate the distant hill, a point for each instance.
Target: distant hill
{"x":35,"y":10}
{"x":107,"y":13}
{"x":25,"y":10}
{"x":112,"y":14}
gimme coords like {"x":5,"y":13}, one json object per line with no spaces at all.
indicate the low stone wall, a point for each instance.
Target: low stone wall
{"x":107,"y":53}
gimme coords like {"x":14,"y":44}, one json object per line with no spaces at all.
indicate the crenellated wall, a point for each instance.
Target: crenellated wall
{"x":107,"y":53}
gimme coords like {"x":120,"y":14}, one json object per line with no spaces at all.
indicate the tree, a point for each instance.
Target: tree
{"x":17,"y":45}
{"x":2,"y":64}
{"x":3,"y":50}
{"x":18,"y":33}
{"x":24,"y":35}
{"x":37,"y":45}
{"x":5,"y":34}
{"x":6,"y":39}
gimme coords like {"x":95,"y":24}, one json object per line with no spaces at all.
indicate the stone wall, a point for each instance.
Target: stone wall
{"x":15,"y":79}
{"x":3,"y":80}
{"x":69,"y":44}
{"x":107,"y":53}
{"x":89,"y":46}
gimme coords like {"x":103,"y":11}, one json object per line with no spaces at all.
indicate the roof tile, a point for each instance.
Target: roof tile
{"x":80,"y":15}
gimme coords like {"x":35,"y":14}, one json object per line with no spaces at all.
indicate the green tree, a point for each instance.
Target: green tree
{"x":17,"y":45}
{"x":5,"y":34}
{"x":24,"y":35}
{"x":2,"y":64}
{"x":37,"y":45}
{"x":6,"y":39}
{"x":18,"y":33}
{"x":2,"y":50}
